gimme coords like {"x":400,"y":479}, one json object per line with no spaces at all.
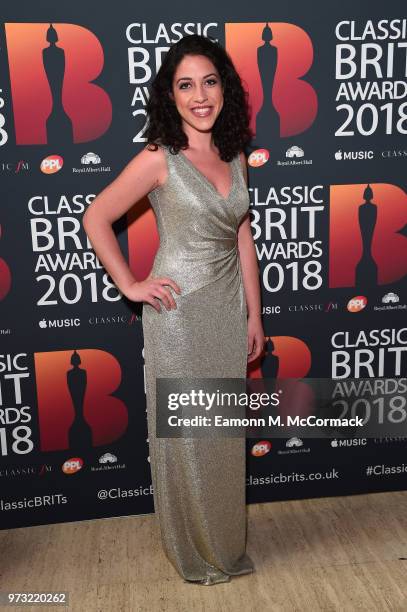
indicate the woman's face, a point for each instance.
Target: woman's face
{"x":197,"y":92}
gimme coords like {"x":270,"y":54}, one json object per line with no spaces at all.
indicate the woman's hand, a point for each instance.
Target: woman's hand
{"x":255,"y":337}
{"x":151,"y":290}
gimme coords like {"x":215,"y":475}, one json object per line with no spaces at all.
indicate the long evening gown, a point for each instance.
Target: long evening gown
{"x":199,"y":484}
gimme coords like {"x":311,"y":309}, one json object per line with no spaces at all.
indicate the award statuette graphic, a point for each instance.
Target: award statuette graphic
{"x":268,"y":119}
{"x":366,"y":269}
{"x":270,"y":363}
{"x":59,"y":125}
{"x":80,"y":432}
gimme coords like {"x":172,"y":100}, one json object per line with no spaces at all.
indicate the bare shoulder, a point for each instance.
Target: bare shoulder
{"x":154,"y":163}
{"x":243,"y":161}
{"x":148,"y":167}
{"x":141,"y":175}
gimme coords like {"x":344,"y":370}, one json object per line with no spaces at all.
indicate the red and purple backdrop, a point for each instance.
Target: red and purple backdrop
{"x":327,"y":183}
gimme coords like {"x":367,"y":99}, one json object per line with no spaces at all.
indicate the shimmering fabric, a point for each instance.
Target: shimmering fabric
{"x":199,"y":484}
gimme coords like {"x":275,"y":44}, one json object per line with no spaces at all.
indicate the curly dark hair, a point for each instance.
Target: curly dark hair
{"x":231,"y":131}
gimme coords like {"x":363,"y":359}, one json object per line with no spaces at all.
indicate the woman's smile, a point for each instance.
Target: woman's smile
{"x":202,"y":111}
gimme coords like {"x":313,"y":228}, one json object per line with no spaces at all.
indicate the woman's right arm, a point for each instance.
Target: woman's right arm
{"x":141,"y":175}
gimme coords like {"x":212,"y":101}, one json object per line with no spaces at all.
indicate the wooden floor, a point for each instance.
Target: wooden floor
{"x":338,"y":553}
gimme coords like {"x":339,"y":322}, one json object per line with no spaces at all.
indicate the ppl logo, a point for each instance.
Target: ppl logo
{"x":52,"y":164}
{"x":261,"y":448}
{"x":258,"y":158}
{"x":357,"y":303}
{"x":368,"y":235}
{"x":71,"y":466}
{"x":273,"y":60}
{"x":53,"y":73}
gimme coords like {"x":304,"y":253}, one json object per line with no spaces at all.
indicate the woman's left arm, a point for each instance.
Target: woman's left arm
{"x":251,"y":282}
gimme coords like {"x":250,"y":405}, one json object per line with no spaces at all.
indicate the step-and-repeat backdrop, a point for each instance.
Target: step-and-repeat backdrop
{"x":327,"y":182}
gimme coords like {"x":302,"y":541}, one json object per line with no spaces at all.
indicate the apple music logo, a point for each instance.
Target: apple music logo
{"x":44,"y":324}
{"x":347,"y":155}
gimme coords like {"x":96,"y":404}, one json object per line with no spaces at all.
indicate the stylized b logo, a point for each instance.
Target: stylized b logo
{"x":51,"y":71}
{"x":75,"y":399}
{"x":271,"y":59}
{"x":368,"y":235}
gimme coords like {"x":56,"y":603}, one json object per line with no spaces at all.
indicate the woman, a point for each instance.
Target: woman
{"x":201,"y":302}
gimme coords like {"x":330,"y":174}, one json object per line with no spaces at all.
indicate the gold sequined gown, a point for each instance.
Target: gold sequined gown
{"x":199,"y":484}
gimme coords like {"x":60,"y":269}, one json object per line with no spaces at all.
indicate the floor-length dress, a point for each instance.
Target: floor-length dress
{"x":199,"y":484}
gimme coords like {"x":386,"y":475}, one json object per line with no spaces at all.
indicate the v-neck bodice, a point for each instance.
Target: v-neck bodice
{"x":197,"y":226}
{"x":206,"y":180}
